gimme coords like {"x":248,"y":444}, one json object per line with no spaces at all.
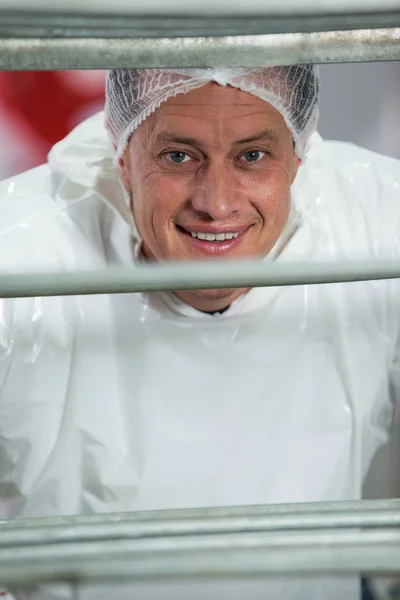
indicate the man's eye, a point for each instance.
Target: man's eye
{"x":253,"y":155}
{"x":179,"y":157}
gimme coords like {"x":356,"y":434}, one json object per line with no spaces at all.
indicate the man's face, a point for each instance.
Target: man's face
{"x":210,"y":174}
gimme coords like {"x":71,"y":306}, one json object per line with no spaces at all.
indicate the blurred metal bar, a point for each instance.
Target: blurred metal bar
{"x":246,"y":555}
{"x":199,"y":7}
{"x":29,"y":24}
{"x":164,"y":523}
{"x":348,"y":508}
{"x":228,"y":51}
{"x":194,"y":275}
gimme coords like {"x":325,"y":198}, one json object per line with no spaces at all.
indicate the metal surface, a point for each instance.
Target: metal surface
{"x":186,"y":276}
{"x":55,"y":25}
{"x":297,"y":510}
{"x":200,"y":7}
{"x":182,"y":523}
{"x":229,"y":51}
{"x":245,"y":555}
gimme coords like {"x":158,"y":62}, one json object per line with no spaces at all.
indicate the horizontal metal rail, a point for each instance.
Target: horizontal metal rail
{"x":29,"y":24}
{"x":226,"y":51}
{"x":193,"y":275}
{"x":348,"y":508}
{"x":199,"y":7}
{"x":24,"y":532}
{"x":245,"y":555}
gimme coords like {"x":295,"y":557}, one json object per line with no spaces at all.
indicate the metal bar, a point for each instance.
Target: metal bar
{"x":229,"y":51}
{"x":126,"y":529}
{"x":200,"y":521}
{"x":311,"y":509}
{"x":206,"y":556}
{"x":46,"y":25}
{"x":199,"y":7}
{"x":193,"y":275}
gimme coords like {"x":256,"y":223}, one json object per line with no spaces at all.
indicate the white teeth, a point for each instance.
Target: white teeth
{"x":214,"y":237}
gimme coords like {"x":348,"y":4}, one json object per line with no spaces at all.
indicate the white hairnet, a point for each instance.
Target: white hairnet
{"x":132,"y":95}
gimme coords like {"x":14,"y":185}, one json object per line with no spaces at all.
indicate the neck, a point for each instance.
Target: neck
{"x":216,"y":312}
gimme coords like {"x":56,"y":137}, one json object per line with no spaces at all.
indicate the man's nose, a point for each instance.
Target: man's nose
{"x":216,"y":192}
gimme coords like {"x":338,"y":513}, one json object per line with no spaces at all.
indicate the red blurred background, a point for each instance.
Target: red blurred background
{"x":37,"y":109}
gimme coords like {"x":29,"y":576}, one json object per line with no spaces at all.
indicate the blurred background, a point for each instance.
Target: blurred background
{"x":39,"y":108}
{"x":360,"y":103}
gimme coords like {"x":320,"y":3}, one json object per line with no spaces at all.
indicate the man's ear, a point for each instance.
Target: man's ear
{"x":124,"y":164}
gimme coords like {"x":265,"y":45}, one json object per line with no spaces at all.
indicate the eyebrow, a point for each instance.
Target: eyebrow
{"x":177,"y":139}
{"x":263,"y":135}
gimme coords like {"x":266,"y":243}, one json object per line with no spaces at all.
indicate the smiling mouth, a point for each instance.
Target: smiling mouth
{"x":216,"y":243}
{"x":212,"y":237}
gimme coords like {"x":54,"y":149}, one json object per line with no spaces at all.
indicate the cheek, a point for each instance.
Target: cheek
{"x":156,"y":197}
{"x":269,"y":191}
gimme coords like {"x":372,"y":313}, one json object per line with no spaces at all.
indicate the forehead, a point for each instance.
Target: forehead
{"x":215,"y":107}
{"x":214,"y":110}
{"x":213,"y":98}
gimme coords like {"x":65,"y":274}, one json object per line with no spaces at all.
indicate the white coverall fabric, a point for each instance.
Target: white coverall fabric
{"x":123,"y":402}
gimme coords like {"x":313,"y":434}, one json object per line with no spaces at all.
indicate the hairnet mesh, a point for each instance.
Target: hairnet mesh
{"x":132,"y":95}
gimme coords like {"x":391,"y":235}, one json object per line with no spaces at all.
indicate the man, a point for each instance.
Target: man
{"x":205,"y":398}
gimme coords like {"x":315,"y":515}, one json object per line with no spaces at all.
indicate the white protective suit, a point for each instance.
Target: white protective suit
{"x":131,"y":402}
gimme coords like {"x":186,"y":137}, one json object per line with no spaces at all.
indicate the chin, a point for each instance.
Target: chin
{"x":210,"y":300}
{"x":217,"y":294}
